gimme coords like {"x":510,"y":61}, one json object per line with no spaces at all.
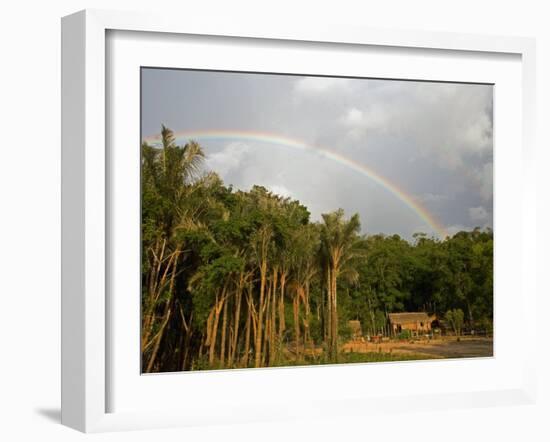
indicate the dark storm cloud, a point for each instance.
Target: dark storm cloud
{"x":432,"y":140}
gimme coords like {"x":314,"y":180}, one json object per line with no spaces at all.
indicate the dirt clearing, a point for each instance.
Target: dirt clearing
{"x":448,"y":347}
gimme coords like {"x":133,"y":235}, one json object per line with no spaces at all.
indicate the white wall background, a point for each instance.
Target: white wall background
{"x":30,"y":215}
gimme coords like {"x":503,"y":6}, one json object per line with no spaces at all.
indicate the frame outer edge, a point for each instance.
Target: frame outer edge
{"x":529,"y":209}
{"x":95,"y":222}
{"x":83,"y":187}
{"x":73,"y":80}
{"x":83,"y":344}
{"x":339,"y":33}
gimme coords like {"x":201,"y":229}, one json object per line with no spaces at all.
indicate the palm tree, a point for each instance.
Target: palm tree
{"x":168,"y":173}
{"x":304,"y":247}
{"x":341,"y":245}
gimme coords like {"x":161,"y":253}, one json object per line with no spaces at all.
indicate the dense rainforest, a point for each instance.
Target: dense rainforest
{"x":246,"y":279}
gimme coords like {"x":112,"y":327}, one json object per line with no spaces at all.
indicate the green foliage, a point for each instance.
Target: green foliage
{"x":204,"y":243}
{"x":345,"y":332}
{"x":404,"y":334}
{"x":455,"y":317}
{"x":354,"y":358}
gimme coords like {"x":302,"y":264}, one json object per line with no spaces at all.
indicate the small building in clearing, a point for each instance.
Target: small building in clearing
{"x":415,"y":322}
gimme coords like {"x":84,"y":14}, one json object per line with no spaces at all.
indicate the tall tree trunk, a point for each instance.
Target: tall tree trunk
{"x":223,"y":341}
{"x":158,"y":282}
{"x":267,"y":327}
{"x":187,"y":333}
{"x":167,"y":310}
{"x":334,"y":320}
{"x":258,"y":340}
{"x":247,"y":338}
{"x":307,"y":332}
{"x":328,"y":320}
{"x":158,"y":338}
{"x":470,"y":315}
{"x":371,"y":311}
{"x":296,"y":313}
{"x":270,"y":356}
{"x":236,"y":321}
{"x":213,"y":336}
{"x":186,"y":352}
{"x":201,"y":349}
{"x":272,"y":327}
{"x":282,"y":324}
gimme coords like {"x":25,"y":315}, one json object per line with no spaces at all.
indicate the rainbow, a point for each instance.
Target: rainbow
{"x":279,"y":140}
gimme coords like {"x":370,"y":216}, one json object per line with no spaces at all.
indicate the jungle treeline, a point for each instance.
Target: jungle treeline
{"x":245,"y":279}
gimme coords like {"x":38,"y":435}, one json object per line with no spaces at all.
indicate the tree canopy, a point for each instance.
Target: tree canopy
{"x":235,"y":278}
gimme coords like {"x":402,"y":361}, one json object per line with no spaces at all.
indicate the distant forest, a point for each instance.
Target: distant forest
{"x":245,"y":279}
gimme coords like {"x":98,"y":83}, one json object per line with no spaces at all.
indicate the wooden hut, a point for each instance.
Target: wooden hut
{"x":415,"y":322}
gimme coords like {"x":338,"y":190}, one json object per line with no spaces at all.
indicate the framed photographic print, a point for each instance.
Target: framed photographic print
{"x":271,"y":221}
{"x":255,"y":244}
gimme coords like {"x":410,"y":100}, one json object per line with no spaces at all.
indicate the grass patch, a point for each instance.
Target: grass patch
{"x":343,"y":358}
{"x":352,"y":358}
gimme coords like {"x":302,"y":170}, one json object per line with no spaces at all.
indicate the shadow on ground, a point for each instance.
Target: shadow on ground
{"x":51,"y":414}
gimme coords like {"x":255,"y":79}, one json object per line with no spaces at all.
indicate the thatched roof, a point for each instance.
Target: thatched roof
{"x":407,"y":317}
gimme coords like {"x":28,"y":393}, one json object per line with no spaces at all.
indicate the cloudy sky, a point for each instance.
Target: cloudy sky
{"x":407,"y":156}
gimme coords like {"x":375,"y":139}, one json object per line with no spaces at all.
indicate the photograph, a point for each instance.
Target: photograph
{"x":294,"y":220}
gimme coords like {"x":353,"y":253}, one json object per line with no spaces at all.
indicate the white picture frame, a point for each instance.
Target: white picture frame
{"x":86,"y":356}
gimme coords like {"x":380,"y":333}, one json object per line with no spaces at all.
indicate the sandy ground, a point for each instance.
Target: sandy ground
{"x":448,"y":347}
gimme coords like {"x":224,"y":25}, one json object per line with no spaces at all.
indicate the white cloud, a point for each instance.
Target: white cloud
{"x":447,"y":124}
{"x":477,"y":134}
{"x":353,"y":117}
{"x":450,"y":124}
{"x":478,"y":213}
{"x":228,"y":159}
{"x":359,"y":122}
{"x":453,"y":124}
{"x":280,"y":190}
